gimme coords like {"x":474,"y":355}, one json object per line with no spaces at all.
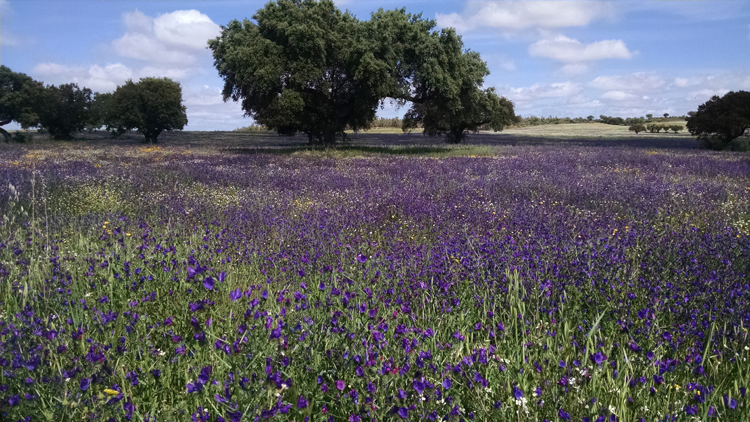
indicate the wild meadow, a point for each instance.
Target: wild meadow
{"x":524,"y":283}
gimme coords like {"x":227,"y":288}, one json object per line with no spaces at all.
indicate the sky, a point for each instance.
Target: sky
{"x":551,"y":58}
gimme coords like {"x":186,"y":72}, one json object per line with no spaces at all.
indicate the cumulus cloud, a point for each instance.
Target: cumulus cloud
{"x":619,"y":96}
{"x":175,"y":38}
{"x":518,"y":15}
{"x":683,"y":82}
{"x":574,"y":69}
{"x":206,"y":110}
{"x":100,"y":78}
{"x":538,"y":91}
{"x":703,"y":95}
{"x":569,"y":50}
{"x":636,"y":82}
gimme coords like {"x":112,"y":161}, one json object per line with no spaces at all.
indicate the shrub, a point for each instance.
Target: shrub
{"x":637,"y":128}
{"x":676,"y":128}
{"x":22,"y":137}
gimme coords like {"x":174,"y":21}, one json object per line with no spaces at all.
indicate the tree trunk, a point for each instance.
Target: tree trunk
{"x":329,"y":138}
{"x":456,"y":135}
{"x":6,"y":135}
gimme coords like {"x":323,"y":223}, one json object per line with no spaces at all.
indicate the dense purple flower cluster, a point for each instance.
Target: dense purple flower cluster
{"x":584,"y":285}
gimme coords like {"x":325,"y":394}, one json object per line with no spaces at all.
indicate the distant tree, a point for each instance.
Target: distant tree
{"x":676,"y":128}
{"x":649,"y":116}
{"x":637,"y":128}
{"x":590,"y":118}
{"x":20,"y":97}
{"x":720,"y":120}
{"x":666,"y":115}
{"x":151,"y":106}
{"x":64,"y":110}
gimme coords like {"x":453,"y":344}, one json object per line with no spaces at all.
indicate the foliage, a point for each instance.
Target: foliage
{"x":548,"y":281}
{"x":654,"y":128}
{"x":151,"y":106}
{"x":537,"y":121}
{"x":721,"y":119}
{"x":637,"y":128}
{"x":676,"y":128}
{"x":384,"y":122}
{"x":20,"y":97}
{"x":64,"y":110}
{"x":253,"y":128}
{"x":445,"y":93}
{"x":22,"y":137}
{"x":99,"y":111}
{"x":302,"y":66}
{"x":630,"y":121}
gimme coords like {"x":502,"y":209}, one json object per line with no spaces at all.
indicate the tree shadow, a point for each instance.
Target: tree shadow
{"x":353,"y":150}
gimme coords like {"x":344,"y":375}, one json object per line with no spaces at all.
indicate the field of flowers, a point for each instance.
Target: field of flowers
{"x":533,"y":283}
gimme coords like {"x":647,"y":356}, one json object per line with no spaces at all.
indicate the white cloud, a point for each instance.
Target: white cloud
{"x":682,"y":82}
{"x":705,"y":94}
{"x":618,"y":96}
{"x":570,"y":50}
{"x":636,"y":82}
{"x":100,"y":78}
{"x":206,"y":109}
{"x":517,"y":15}
{"x":574,"y":69}
{"x":175,"y":38}
{"x":146,"y":48}
{"x":538,"y":91}
{"x":188,"y":28}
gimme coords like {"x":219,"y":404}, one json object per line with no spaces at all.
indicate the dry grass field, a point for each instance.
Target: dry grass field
{"x":590,"y":130}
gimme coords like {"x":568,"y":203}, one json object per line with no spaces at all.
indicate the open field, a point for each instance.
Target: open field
{"x":588,"y":130}
{"x":244,"y":276}
{"x":564,"y":135}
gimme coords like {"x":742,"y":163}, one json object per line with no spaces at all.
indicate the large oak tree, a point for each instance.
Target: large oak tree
{"x":20,"y":99}
{"x":305,"y":66}
{"x":720,"y":120}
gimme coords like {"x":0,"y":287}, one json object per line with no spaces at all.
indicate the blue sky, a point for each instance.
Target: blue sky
{"x":551,"y":58}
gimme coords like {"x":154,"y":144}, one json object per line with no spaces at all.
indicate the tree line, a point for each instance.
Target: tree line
{"x":304,"y":66}
{"x":151,"y":106}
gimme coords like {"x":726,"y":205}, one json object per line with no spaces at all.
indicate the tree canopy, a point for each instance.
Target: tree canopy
{"x":305,"y":66}
{"x":446,"y":97}
{"x":151,"y":106}
{"x":720,"y":120}
{"x":20,"y":98}
{"x":64,"y":110}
